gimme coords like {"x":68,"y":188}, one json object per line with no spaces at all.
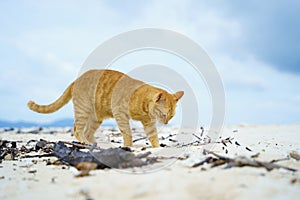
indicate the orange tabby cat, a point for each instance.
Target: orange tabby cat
{"x":102,"y":94}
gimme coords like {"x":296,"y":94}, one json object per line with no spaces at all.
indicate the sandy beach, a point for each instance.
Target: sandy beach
{"x":31,"y":178}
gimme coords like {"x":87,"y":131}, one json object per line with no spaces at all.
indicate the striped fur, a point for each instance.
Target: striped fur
{"x":101,"y":94}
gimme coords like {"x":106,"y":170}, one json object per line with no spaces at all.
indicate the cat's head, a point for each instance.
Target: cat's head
{"x":165,"y":105}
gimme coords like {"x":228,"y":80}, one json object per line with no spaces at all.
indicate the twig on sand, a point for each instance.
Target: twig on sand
{"x":38,"y":155}
{"x":278,"y":160}
{"x":82,"y":146}
{"x":239,"y":161}
{"x":189,"y":144}
{"x":197,"y":137}
{"x":202,"y":131}
{"x":138,"y":139}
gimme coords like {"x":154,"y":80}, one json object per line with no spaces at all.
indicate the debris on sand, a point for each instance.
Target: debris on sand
{"x":86,"y":157}
{"x":82,"y":156}
{"x":240,"y":161}
{"x":85,"y":168}
{"x":8,"y":150}
{"x":295,"y":155}
{"x":248,"y":149}
{"x":106,"y":158}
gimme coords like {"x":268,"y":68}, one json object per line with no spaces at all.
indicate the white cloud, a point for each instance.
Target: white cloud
{"x":196,"y":19}
{"x":53,"y":51}
{"x":248,"y":73}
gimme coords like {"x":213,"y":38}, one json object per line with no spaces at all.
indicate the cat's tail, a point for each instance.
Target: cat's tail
{"x":60,"y":102}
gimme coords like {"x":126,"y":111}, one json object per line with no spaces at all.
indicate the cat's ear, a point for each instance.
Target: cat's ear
{"x":178,"y":95}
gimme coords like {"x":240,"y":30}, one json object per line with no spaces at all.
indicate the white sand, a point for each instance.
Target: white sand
{"x":177,"y":181}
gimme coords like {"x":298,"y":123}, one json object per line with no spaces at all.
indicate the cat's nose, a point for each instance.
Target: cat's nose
{"x":166,"y":122}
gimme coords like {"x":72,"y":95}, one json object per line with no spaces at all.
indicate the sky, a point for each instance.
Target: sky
{"x":253,"y":44}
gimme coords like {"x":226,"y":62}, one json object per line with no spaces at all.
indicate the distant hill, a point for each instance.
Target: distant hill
{"x":68,"y":122}
{"x":9,"y":124}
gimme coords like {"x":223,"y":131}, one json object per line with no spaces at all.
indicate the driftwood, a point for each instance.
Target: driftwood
{"x":74,"y":155}
{"x":106,"y":158}
{"x":240,"y":161}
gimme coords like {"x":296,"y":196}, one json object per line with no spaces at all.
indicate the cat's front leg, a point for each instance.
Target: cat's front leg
{"x":151,"y":132}
{"x":124,"y":126}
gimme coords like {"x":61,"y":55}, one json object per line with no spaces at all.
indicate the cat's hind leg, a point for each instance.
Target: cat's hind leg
{"x":79,"y":126}
{"x":84,"y":130}
{"x":82,"y":115}
{"x":91,"y":127}
{"x":124,"y":126}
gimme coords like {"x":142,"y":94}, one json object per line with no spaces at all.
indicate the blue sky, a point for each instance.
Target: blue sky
{"x":254,"y":45}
